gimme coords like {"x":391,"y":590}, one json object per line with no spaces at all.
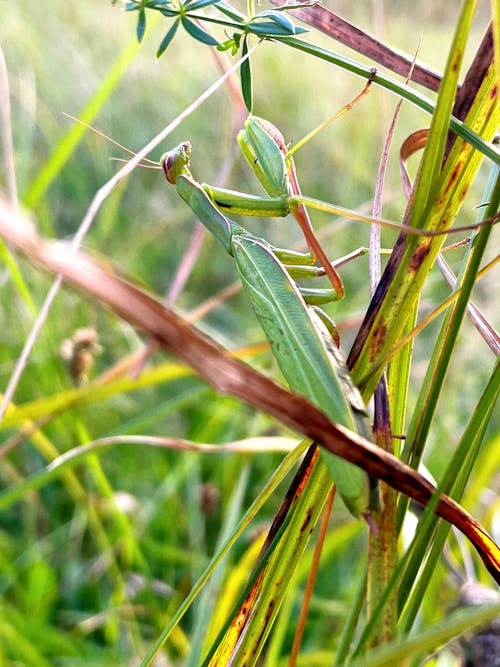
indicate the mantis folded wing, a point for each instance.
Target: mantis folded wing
{"x":299,"y":341}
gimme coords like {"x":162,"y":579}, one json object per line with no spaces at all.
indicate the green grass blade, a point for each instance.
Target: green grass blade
{"x":427,"y":543}
{"x":404,"y":91}
{"x":17,"y":416}
{"x":351,"y":622}
{"x":453,"y":483}
{"x":245,"y":646}
{"x":426,"y":642}
{"x":13,"y":636}
{"x":17,"y":277}
{"x":443,"y":350}
{"x":205,"y":607}
{"x":71,"y":139}
{"x":340,"y":539}
{"x":400,"y":292}
{"x":276,"y":479}
{"x":434,"y":148}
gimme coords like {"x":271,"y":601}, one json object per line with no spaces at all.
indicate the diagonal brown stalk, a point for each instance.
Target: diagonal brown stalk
{"x":235,"y":378}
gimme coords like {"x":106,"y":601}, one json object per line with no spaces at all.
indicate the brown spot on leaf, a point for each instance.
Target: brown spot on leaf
{"x":377,"y":340}
{"x":421,"y":252}
{"x":463,"y":192}
{"x":307,"y":520}
{"x":455,"y":63}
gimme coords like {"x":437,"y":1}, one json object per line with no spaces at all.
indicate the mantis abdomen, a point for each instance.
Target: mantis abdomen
{"x":300,"y":352}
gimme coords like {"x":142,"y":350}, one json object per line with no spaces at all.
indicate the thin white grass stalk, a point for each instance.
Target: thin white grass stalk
{"x":22,"y":360}
{"x":258,"y":445}
{"x":187,"y":262}
{"x":129,"y":166}
{"x":239,"y":112}
{"x":374,"y":256}
{"x":6,"y":133}
{"x":482,"y":324}
{"x":99,"y":198}
{"x":374,"y":244}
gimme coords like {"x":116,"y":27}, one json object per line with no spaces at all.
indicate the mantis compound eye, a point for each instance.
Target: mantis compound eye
{"x":176,"y":161}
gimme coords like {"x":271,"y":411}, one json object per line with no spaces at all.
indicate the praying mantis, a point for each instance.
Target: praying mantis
{"x":300,"y":334}
{"x":297,"y":331}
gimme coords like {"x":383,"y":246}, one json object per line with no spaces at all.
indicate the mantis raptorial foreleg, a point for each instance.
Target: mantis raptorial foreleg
{"x":264,"y":148}
{"x":311,"y":365}
{"x":279,"y":178}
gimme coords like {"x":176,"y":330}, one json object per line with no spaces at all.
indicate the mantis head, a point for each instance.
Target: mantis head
{"x":176,"y":162}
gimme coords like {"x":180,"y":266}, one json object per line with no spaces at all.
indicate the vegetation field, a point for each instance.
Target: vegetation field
{"x":99,"y":553}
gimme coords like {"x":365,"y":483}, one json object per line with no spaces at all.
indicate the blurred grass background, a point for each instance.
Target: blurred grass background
{"x":70,"y":595}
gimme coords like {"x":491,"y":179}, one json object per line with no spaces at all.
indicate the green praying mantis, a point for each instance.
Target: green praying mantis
{"x":302,"y":337}
{"x":298,"y":332}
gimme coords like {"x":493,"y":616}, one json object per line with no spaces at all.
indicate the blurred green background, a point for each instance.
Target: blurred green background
{"x":59,"y":578}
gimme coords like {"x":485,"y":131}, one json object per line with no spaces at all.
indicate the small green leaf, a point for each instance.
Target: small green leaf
{"x":141,"y":25}
{"x":272,"y":29}
{"x":167,"y":39}
{"x":231,"y":13}
{"x":246,"y":78}
{"x":280,"y":19}
{"x":169,"y":12}
{"x":232,"y":44}
{"x":199,"y":4}
{"x":198,"y":33}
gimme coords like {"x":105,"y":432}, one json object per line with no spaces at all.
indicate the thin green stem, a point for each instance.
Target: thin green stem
{"x":393,"y":86}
